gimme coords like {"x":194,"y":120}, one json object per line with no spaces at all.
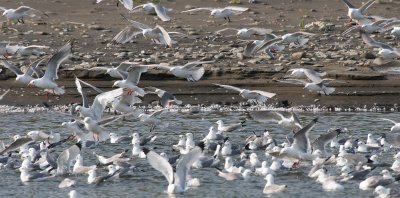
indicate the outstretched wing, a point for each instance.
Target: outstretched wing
{"x":184,"y":164}
{"x":125,"y":35}
{"x":11,"y":67}
{"x":229,"y":87}
{"x":161,"y":12}
{"x":190,"y":65}
{"x":161,"y":164}
{"x":54,"y":63}
{"x":301,"y":140}
{"x":199,"y":9}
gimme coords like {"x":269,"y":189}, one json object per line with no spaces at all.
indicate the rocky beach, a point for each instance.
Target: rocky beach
{"x":362,"y":79}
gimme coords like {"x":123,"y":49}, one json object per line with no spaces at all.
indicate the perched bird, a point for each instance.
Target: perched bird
{"x":221,"y":12}
{"x":21,"y":12}
{"x":192,"y":71}
{"x":254,"y":96}
{"x":152,"y":8}
{"x":374,"y":181}
{"x":47,"y":81}
{"x":270,"y":187}
{"x":229,"y":128}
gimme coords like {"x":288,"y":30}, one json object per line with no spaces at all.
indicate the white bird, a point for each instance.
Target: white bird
{"x":271,"y":39}
{"x":230,"y":176}
{"x":247,"y":32}
{"x":132,"y":80}
{"x":291,"y":122}
{"x":74,"y":194}
{"x":23,"y":78}
{"x":79,"y":168}
{"x":151,"y":8}
{"x":47,"y":81}
{"x":317,"y":84}
{"x":270,"y":187}
{"x":221,"y":12}
{"x":386,"y":192}
{"x":157,"y":34}
{"x":166,"y":98}
{"x":395,"y":127}
{"x":21,"y":12}
{"x":116,"y":72}
{"x":128,"y":4}
{"x":25,"y":176}
{"x":67,"y":182}
{"x":255,"y":96}
{"x":229,"y":128}
{"x":357,"y":13}
{"x":177,"y":181}
{"x":396,"y":164}
{"x":192,"y":71}
{"x":299,"y":73}
{"x":386,"y":51}
{"x":374,"y":181}
{"x":65,"y":158}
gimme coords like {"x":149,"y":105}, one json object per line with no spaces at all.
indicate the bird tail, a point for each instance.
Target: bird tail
{"x":303,"y":41}
{"x":328,"y":90}
{"x":197,"y":74}
{"x":59,"y":91}
{"x":243,"y":123}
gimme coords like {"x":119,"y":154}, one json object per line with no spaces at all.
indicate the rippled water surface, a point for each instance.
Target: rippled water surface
{"x":147,"y":182}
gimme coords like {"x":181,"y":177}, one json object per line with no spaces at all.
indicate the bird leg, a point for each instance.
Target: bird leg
{"x":152,"y":128}
{"x":22,"y":20}
{"x":229,"y":19}
{"x":46,"y":95}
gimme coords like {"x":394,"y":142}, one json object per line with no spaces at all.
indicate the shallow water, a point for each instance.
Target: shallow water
{"x":147,"y":182}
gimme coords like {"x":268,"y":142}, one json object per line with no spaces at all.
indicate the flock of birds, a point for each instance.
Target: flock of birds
{"x":352,"y":157}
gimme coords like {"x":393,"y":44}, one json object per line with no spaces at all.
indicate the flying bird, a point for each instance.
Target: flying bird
{"x":192,"y":71}
{"x":221,"y":12}
{"x":152,"y":8}
{"x":256,"y":96}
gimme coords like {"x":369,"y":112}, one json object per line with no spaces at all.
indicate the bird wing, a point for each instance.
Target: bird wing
{"x":3,"y":8}
{"x":161,"y":12}
{"x":91,"y":86}
{"x":264,"y":93}
{"x":85,"y":102}
{"x":135,"y":73}
{"x":101,"y":100}
{"x":229,"y":87}
{"x":261,"y":31}
{"x":301,"y":140}
{"x":16,"y":144}
{"x":365,"y":6}
{"x":389,"y":120}
{"x":312,"y":75}
{"x":265,"y":116}
{"x":23,"y":9}
{"x":199,"y":9}
{"x":300,"y":33}
{"x":236,"y":8}
{"x":267,"y":43}
{"x":11,"y":67}
{"x":389,"y":25}
{"x":184,"y":164}
{"x":190,"y":65}
{"x":158,"y":112}
{"x":128,"y":4}
{"x":225,"y":29}
{"x":54,"y":62}
{"x":125,"y":35}
{"x":165,"y":35}
{"x":371,"y":42}
{"x":125,"y":65}
{"x":136,"y":24}
{"x":35,"y":65}
{"x":294,"y":81}
{"x":323,"y":139}
{"x":161,"y":164}
{"x":348,"y":4}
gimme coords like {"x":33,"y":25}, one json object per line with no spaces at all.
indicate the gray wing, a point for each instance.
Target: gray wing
{"x":184,"y":164}
{"x":35,"y":65}
{"x":229,"y":87}
{"x":165,"y":35}
{"x":160,"y":164}
{"x":11,"y":67}
{"x":365,"y":6}
{"x":312,"y":75}
{"x":264,"y":93}
{"x":389,"y":25}
{"x":35,"y":176}
{"x":100,"y":101}
{"x":158,"y":112}
{"x":236,"y":8}
{"x":136,"y":24}
{"x":348,"y":4}
{"x":135,"y":73}
{"x":199,"y":9}
{"x":52,"y":162}
{"x":294,"y":81}
{"x":301,"y":140}
{"x":128,"y":4}
{"x":250,"y":48}
{"x":386,"y":119}
{"x":125,"y":35}
{"x":260,"y":31}
{"x":265,"y":116}
{"x":23,"y":9}
{"x":85,"y":102}
{"x":16,"y":144}
{"x":165,"y":98}
{"x":371,"y":42}
{"x":161,"y":12}
{"x":322,"y":140}
{"x":91,"y":86}
{"x":54,"y":63}
{"x":123,"y":67}
{"x":190,"y":65}
{"x":267,"y":44}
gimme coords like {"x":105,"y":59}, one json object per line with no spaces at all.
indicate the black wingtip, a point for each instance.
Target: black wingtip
{"x":46,"y":104}
{"x":202,"y":145}
{"x":79,"y":144}
{"x":226,"y":139}
{"x":145,"y":150}
{"x":316,"y":119}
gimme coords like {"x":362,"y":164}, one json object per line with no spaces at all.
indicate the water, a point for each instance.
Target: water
{"x":147,"y":182}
